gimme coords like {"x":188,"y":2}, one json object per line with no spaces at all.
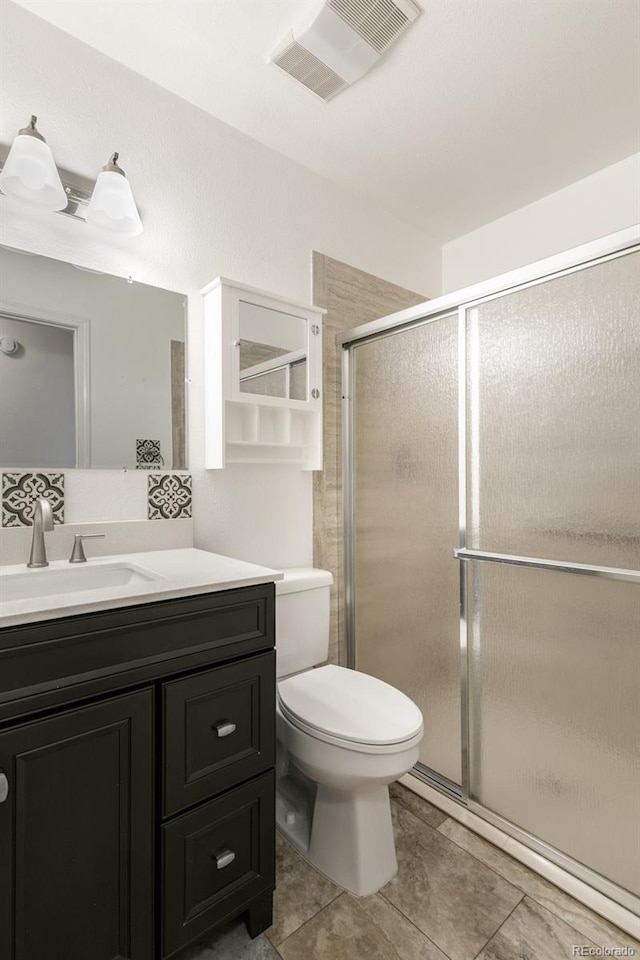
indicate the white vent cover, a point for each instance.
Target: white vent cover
{"x":342,"y":42}
{"x":301,"y":64}
{"x":379,"y":22}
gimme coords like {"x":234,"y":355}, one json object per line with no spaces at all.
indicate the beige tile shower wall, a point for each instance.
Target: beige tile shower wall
{"x":351,"y":297}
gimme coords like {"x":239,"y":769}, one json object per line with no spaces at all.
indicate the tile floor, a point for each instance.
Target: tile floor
{"x":455,"y":897}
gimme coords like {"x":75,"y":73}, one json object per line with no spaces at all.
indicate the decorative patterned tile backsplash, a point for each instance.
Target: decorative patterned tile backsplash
{"x":148,"y":456}
{"x":169,"y":496}
{"x":20,"y":492}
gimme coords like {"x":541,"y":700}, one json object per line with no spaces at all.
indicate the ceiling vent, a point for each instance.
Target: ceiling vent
{"x":379,"y":22}
{"x":343,"y":41}
{"x":299,"y":63}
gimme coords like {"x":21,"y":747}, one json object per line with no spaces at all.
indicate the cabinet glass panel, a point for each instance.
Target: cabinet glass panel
{"x":405,"y":526}
{"x":554,"y":418}
{"x":272,"y":352}
{"x":554,"y":661}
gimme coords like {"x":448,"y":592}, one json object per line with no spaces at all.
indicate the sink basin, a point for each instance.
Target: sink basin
{"x":54,"y":581}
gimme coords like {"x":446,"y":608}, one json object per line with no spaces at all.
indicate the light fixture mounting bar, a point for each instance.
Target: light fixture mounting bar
{"x":30,"y":174}
{"x":77,"y":197}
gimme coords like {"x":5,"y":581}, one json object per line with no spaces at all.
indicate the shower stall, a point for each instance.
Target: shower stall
{"x":492,"y":547}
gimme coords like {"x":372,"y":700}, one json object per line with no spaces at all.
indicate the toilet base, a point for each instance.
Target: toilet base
{"x":350,"y":838}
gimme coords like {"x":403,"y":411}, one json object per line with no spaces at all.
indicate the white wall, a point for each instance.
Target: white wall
{"x":214,"y":202}
{"x":603,"y":203}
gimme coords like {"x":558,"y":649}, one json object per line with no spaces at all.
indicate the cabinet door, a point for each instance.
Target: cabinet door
{"x":76,"y":834}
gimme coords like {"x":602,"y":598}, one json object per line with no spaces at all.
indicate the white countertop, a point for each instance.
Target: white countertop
{"x":183,"y":573}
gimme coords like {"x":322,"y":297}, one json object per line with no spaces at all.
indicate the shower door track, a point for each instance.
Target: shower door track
{"x":618,"y":895}
{"x":598,"y":251}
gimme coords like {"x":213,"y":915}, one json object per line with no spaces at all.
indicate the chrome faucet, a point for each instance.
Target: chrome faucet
{"x":42,"y":522}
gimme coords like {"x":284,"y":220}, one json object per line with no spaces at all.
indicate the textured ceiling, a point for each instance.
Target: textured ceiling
{"x":484,"y":106}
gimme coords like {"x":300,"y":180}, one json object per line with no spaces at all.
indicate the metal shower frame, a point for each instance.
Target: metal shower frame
{"x":460,"y":303}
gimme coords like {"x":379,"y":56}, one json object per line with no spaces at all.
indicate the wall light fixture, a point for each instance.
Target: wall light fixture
{"x":112,"y":206}
{"x":30,"y":174}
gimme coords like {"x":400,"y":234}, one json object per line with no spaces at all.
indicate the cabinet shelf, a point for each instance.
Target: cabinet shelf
{"x":268,"y":443}
{"x":287,"y":460}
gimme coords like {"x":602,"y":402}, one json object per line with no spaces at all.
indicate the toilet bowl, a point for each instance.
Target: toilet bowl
{"x":343,"y":736}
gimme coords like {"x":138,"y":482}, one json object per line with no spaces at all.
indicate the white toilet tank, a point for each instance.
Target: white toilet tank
{"x":302,"y":619}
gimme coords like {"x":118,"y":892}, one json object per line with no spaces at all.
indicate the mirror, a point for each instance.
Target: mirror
{"x":273,"y":353}
{"x":92,"y":369}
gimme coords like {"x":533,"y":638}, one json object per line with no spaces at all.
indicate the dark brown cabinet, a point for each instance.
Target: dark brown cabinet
{"x":219,"y":729}
{"x":137,"y":749}
{"x":215,"y":859}
{"x":76,"y":834}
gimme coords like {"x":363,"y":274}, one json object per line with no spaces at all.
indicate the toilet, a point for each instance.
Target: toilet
{"x":343,"y":737}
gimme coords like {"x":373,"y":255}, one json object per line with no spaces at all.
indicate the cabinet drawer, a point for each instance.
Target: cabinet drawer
{"x":216,"y":860}
{"x":219,"y":729}
{"x":58,"y":660}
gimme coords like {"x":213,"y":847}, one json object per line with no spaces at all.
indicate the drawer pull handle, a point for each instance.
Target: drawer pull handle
{"x":224,"y":858}
{"x":225,"y":728}
{"x":4,"y":787}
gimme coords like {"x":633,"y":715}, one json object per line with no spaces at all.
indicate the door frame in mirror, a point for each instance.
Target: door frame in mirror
{"x":81,"y":329}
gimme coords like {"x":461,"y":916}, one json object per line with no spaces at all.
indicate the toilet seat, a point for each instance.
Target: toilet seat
{"x":350,"y":709}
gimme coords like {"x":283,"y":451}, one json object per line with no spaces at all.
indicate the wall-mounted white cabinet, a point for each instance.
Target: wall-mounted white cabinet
{"x":263,"y":378}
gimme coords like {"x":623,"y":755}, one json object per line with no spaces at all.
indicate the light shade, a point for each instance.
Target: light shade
{"x":30,"y":172}
{"x":112,"y":206}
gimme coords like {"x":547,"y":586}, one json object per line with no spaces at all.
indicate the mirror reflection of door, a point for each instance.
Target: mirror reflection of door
{"x":118,"y":400}
{"x":38,"y":378}
{"x":273,"y":353}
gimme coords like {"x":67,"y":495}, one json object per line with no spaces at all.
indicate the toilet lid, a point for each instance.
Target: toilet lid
{"x":350,"y":705}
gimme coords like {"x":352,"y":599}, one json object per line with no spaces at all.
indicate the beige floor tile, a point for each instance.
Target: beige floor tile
{"x":589,"y":924}
{"x":533,"y":933}
{"x":419,"y":807}
{"x":352,"y":929}
{"x":300,"y":892}
{"x":449,"y":895}
{"x":231,"y":942}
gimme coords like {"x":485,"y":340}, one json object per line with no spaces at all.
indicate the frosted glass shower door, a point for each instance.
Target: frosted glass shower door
{"x":406,"y":583}
{"x":553,"y":468}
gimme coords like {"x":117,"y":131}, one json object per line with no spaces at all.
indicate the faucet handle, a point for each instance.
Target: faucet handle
{"x":77,"y":554}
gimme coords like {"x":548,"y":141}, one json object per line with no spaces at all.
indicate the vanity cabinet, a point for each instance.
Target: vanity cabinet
{"x":137,"y":748}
